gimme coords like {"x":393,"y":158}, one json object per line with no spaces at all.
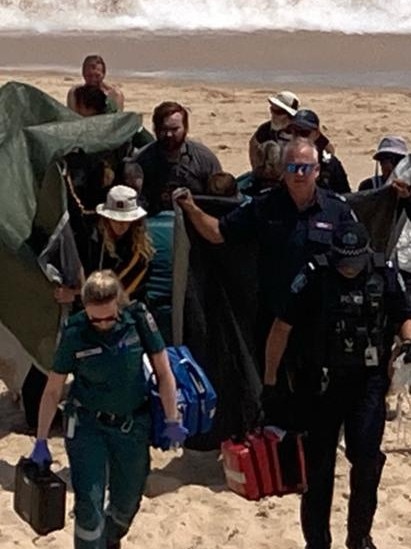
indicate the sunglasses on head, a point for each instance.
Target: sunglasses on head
{"x":303,"y":168}
{"x":99,"y":320}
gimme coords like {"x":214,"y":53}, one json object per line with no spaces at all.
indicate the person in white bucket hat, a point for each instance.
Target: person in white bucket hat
{"x":119,"y":241}
{"x":283,"y":107}
{"x":121,"y":205}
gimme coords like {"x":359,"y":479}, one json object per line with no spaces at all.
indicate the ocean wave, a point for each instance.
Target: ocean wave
{"x":348,"y":16}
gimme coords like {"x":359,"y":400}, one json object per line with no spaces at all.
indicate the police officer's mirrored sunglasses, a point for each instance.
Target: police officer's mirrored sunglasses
{"x":302,"y":168}
{"x":99,"y":320}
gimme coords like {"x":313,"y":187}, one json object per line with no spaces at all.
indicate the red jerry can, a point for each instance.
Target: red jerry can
{"x":287,"y":462}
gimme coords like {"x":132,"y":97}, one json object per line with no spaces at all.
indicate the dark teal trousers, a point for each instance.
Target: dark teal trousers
{"x":106,"y":457}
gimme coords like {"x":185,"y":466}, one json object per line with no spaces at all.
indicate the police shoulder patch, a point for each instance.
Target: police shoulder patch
{"x":299,"y":282}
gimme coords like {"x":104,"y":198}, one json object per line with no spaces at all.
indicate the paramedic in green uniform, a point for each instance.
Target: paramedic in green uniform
{"x":108,"y":421}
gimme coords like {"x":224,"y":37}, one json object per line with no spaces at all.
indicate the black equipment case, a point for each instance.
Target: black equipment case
{"x":39,"y":497}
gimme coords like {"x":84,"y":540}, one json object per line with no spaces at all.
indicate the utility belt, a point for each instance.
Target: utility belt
{"x":124,"y":422}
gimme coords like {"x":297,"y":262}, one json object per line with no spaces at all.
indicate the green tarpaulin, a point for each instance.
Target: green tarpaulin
{"x":36,"y":244}
{"x":35,"y":132}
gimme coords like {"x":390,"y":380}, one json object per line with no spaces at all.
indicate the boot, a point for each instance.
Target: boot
{"x":364,"y":543}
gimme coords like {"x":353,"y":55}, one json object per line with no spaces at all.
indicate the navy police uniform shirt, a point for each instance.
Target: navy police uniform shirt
{"x":286,"y":236}
{"x":329,"y":330}
{"x":107,"y":366}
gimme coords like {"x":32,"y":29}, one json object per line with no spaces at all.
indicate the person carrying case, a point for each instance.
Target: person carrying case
{"x":196,"y":398}
{"x":39,"y":497}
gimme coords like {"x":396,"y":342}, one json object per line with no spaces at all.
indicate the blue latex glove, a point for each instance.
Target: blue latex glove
{"x":41,"y":453}
{"x":175,"y":431}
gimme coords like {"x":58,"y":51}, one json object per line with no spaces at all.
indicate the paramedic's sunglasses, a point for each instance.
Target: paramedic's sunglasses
{"x":99,"y":320}
{"x":304,"y":169}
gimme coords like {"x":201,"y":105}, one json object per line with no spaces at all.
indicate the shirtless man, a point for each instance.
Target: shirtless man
{"x":94,"y":71}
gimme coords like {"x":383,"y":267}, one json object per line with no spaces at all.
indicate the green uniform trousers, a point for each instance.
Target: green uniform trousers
{"x":102,"y":456}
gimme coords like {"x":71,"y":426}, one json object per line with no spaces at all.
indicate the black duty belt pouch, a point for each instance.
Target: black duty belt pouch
{"x":39,"y":497}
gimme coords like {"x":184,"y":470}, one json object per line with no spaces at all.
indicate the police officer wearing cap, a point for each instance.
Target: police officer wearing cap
{"x":290,"y":223}
{"x":332,"y":174}
{"x":108,"y":421}
{"x":333,"y":337}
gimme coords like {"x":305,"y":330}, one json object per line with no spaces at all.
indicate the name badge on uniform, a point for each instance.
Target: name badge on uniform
{"x":89,"y":352}
{"x":371,"y":356}
{"x":323,"y":225}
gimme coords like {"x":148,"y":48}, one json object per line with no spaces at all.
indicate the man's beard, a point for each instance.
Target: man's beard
{"x":172,"y":144}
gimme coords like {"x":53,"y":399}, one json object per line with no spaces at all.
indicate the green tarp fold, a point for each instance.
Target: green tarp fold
{"x":35,"y":132}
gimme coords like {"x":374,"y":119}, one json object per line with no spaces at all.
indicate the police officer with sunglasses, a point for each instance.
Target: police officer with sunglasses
{"x":289,"y":223}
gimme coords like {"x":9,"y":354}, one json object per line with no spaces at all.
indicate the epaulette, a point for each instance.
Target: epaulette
{"x":321,"y":260}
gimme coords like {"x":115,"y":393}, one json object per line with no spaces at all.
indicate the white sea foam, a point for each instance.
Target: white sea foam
{"x":349,"y":16}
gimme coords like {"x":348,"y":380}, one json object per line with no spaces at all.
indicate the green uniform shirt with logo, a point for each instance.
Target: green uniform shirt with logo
{"x":107,"y":366}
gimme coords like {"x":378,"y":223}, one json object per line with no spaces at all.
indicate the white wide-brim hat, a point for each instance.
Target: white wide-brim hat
{"x":285,"y":100}
{"x":121,"y":205}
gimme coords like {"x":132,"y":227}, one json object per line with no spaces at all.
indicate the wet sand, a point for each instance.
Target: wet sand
{"x":306,"y":58}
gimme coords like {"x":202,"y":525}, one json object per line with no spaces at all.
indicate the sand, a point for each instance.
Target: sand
{"x":187,"y":505}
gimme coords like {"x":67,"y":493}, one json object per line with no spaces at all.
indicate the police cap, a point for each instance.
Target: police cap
{"x":306,"y":120}
{"x":350,"y":244}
